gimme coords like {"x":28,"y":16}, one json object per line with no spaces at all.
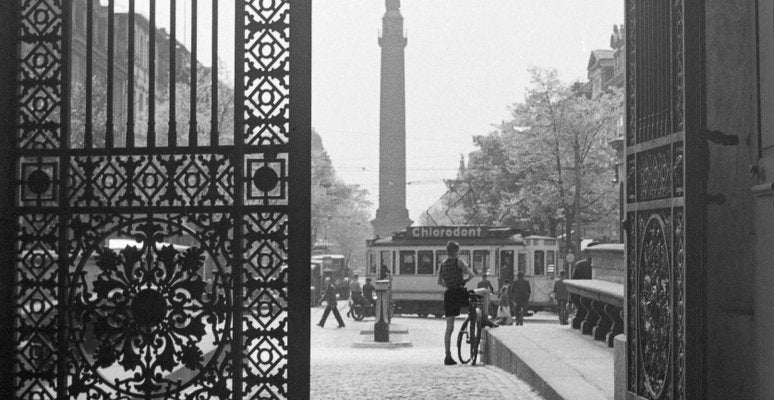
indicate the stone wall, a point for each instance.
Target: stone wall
{"x":608,"y":262}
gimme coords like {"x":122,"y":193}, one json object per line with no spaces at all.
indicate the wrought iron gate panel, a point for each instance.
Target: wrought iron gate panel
{"x":152,"y":268}
{"x":656,"y":193}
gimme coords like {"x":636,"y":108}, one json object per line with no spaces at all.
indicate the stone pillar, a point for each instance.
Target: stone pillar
{"x":382,"y":312}
{"x":392,"y":215}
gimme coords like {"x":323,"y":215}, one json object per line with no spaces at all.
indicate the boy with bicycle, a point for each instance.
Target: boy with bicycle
{"x":453,"y":275}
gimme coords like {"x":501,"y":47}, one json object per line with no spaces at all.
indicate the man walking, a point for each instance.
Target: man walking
{"x":330,"y":296}
{"x":356,"y":293}
{"x":561,"y":295}
{"x":521,"y":293}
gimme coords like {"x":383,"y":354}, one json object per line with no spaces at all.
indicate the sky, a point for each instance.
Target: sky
{"x":466,"y":62}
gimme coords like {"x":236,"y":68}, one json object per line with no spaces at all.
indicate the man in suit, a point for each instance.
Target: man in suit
{"x":583,"y":268}
{"x":330,"y":296}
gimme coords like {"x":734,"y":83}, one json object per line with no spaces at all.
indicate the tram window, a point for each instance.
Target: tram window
{"x":540,"y":262}
{"x":408,"y":263}
{"x":371,"y":263}
{"x":551,"y":262}
{"x":481,"y":262}
{"x":385,"y":261}
{"x":522,"y":262}
{"x":465,"y":256}
{"x":425,"y":262}
{"x":440,"y":257}
{"x":506,"y":264}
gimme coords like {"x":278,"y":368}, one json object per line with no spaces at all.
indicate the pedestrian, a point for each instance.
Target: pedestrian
{"x":561,"y":296}
{"x":330,"y":296}
{"x":521,"y":293}
{"x":453,"y":275}
{"x":368,"y":292}
{"x":504,"y":309}
{"x":486,"y":284}
{"x":384,"y":272}
{"x":583,"y":268}
{"x":356,"y":293}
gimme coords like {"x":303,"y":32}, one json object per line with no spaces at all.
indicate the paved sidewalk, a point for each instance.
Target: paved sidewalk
{"x":340,"y":371}
{"x":558,"y":361}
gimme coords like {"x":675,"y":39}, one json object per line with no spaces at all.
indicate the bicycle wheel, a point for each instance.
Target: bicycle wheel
{"x":475,"y":339}
{"x":358,"y":313}
{"x":463,"y":343}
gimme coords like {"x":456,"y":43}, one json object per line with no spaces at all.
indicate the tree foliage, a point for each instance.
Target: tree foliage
{"x":340,"y":212}
{"x":550,"y":163}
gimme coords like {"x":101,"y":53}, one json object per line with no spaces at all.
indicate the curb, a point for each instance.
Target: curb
{"x":575,"y":388}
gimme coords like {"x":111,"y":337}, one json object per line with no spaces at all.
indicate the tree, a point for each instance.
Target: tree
{"x":551,"y":162}
{"x":340,"y":212}
{"x":78,"y":113}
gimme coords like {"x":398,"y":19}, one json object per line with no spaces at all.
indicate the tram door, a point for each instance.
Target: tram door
{"x":506,"y":265}
{"x":665,"y":209}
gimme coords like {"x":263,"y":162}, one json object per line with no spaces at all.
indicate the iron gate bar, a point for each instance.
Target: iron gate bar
{"x":192,"y":129}
{"x":129,"y":137}
{"x":87,"y":135}
{"x":239,"y":112}
{"x":172,"y":134}
{"x":63,"y":260}
{"x":109,"y":123}
{"x":10,"y":31}
{"x":214,"y":134}
{"x":151,"y":137}
{"x":299,"y":212}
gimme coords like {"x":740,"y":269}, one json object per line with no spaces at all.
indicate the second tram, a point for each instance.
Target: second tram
{"x":414,"y":256}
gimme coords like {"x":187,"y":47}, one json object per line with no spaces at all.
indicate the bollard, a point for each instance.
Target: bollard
{"x":382,"y":325}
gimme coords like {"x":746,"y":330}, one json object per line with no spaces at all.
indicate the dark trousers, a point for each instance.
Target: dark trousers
{"x":562,"y":309}
{"x":328,"y":309}
{"x":521,"y":308}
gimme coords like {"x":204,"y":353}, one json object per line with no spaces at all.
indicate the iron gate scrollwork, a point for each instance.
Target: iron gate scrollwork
{"x":661,"y":124}
{"x":153,"y":254}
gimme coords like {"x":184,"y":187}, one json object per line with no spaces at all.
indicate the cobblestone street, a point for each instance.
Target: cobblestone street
{"x":340,"y":371}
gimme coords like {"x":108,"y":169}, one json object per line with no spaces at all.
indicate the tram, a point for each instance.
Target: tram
{"x":413,"y":258}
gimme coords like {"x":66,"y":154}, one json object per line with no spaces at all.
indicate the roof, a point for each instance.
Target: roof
{"x":599,"y":54}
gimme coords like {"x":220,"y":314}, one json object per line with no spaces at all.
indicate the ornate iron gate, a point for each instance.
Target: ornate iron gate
{"x":153,"y":252}
{"x":665,"y":155}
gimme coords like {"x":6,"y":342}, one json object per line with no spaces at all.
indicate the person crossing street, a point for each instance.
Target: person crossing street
{"x":330,"y":296}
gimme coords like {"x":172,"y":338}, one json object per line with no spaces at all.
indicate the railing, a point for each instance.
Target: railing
{"x":599,"y":307}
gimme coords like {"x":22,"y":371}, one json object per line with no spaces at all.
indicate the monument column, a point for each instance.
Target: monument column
{"x":392,"y":215}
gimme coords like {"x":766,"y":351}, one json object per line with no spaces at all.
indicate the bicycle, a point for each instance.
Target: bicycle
{"x":469,"y":337}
